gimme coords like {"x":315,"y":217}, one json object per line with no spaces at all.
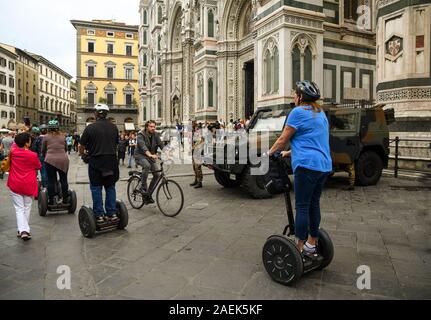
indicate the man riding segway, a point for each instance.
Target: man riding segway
{"x":98,"y":148}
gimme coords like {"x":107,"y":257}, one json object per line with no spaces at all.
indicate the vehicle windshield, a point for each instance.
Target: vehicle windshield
{"x":270,"y":120}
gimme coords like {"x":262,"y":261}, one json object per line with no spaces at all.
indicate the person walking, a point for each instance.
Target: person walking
{"x":69,"y":143}
{"x":122,"y":147}
{"x":22,"y":181}
{"x":307,"y":128}
{"x":132,"y":147}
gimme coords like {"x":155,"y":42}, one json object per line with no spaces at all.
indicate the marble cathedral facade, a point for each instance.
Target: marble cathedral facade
{"x":223,"y":59}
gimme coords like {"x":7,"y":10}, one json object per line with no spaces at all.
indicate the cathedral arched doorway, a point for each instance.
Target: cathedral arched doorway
{"x":237,"y":56}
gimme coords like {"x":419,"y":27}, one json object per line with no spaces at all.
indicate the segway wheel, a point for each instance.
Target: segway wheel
{"x":87,"y":222}
{"x":325,"y":248}
{"x":282,"y":260}
{"x":123,"y":214}
{"x":42,"y":202}
{"x":73,"y":202}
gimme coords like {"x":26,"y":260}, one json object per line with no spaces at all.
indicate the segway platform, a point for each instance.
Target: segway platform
{"x":89,"y":227}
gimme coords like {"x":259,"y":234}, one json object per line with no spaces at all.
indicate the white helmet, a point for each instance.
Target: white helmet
{"x":101,"y":107}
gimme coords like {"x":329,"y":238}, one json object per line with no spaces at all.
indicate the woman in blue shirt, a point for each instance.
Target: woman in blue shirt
{"x":307,"y":129}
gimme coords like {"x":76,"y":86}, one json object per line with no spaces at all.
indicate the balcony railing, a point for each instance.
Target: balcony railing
{"x":116,"y":108}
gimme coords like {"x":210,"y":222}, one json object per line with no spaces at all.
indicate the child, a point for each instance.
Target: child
{"x":22,"y":181}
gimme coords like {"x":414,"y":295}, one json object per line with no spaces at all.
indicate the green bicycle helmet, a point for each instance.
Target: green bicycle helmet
{"x":35,"y":130}
{"x":53,"y":124}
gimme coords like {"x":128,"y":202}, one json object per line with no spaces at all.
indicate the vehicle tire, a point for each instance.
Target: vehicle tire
{"x":42,"y":202}
{"x":123,"y":215}
{"x":224,"y":179}
{"x":368,"y":168}
{"x":87,"y":222}
{"x":325,"y":248}
{"x":282,"y":260}
{"x":255,"y":185}
{"x":73,"y":202}
{"x":136,"y":198}
{"x":170,"y":198}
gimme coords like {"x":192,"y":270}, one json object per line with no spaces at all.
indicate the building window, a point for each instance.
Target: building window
{"x":3,"y":97}
{"x":19,"y":84}
{"x":420,"y":40}
{"x":145,"y":59}
{"x":129,"y":73}
{"x":12,"y":115}
{"x":210,"y":92}
{"x":11,"y":99}
{"x":11,"y":66}
{"x":110,"y":48}
{"x":110,"y":34}
{"x":91,"y":32}
{"x":46,"y":86}
{"x":159,"y":109}
{"x":129,"y":50}
{"x":200,"y":92}
{"x":268,"y":69}
{"x":296,"y":66}
{"x":129,"y":100}
{"x":110,"y":99}
{"x":276,"y":63}
{"x":27,"y":101}
{"x":159,"y":40}
{"x":27,"y":87}
{"x":159,"y":67}
{"x":90,"y":98}
{"x":145,"y":37}
{"x":4,"y":115}
{"x":34,"y":89}
{"x":2,"y":62}
{"x":90,"y":70}
{"x":145,"y":79}
{"x":129,"y":35}
{"x":90,"y":48}
{"x":159,"y":15}
{"x":145,"y":17}
{"x":210,"y":24}
{"x":3,"y":80}
{"x":110,"y":72}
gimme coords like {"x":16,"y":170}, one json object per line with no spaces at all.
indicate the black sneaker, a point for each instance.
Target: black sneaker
{"x":100,"y":220}
{"x":149,"y":200}
{"x":198,"y":185}
{"x":114,"y":218}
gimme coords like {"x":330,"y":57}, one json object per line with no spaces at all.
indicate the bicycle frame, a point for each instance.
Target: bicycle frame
{"x":159,"y":179}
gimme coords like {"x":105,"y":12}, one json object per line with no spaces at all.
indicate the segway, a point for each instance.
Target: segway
{"x":89,"y":227}
{"x":58,"y":205}
{"x":284,"y":263}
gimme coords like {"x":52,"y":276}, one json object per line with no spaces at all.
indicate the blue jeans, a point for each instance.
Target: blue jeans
{"x":43,"y":174}
{"x":110,"y":201}
{"x":131,"y":156}
{"x":308,"y":189}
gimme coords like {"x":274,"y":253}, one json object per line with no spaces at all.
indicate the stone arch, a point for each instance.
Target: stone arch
{"x":296,"y":40}
{"x":174,"y":23}
{"x":233,"y":14}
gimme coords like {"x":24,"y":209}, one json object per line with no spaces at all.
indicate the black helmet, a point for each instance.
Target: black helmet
{"x":309,"y":90}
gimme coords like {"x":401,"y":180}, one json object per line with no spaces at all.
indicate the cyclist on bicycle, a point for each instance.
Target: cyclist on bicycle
{"x":146,"y":156}
{"x":100,"y":140}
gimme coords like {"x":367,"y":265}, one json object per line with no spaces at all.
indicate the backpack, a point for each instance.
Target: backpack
{"x":276,"y":179}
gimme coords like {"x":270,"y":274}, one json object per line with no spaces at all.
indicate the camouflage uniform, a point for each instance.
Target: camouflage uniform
{"x":197,"y":167}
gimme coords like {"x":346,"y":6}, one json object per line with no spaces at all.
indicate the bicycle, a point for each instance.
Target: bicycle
{"x":168,"y":192}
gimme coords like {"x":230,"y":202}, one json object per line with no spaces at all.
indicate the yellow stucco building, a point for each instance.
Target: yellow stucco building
{"x":107,"y":71}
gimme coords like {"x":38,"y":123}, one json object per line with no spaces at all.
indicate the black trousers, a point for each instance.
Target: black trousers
{"x":51,"y":172}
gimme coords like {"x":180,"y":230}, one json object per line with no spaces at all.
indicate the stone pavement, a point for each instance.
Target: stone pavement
{"x":212,"y":250}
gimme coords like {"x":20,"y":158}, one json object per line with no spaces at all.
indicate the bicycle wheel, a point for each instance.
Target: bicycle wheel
{"x":134,"y":193}
{"x":170,"y":198}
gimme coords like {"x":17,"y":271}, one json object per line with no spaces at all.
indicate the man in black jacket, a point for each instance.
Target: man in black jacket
{"x":100,"y":141}
{"x":146,"y":155}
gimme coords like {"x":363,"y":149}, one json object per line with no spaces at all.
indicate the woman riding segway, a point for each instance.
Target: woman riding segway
{"x":54,"y":150}
{"x":307,"y":129}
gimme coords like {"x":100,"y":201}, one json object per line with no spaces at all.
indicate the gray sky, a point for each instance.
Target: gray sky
{"x":43,"y":26}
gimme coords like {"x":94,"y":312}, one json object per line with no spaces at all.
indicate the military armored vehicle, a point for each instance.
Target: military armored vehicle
{"x":358,"y":135}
